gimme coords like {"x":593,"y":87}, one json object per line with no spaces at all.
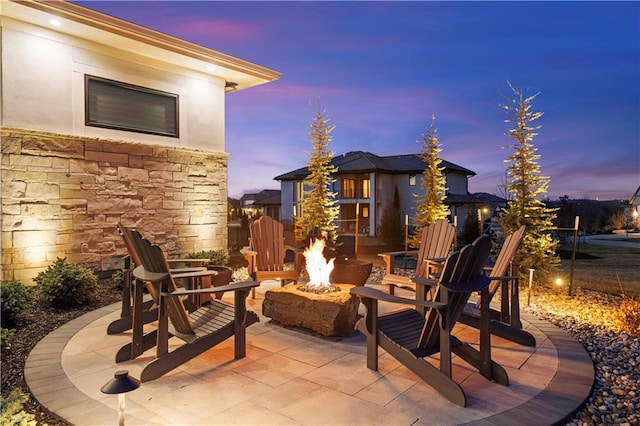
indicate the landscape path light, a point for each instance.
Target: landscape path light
{"x":530,"y":284}
{"x":121,"y":384}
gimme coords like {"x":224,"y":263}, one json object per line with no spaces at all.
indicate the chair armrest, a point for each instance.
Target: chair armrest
{"x":505,"y":278}
{"x":144,"y":275}
{"x":187,"y":260}
{"x":399,"y":253}
{"x":195,"y":273}
{"x":469,"y":287}
{"x":240,"y":285}
{"x":388,"y":256}
{"x":250,"y":256}
{"x":372,"y":293}
{"x":425,"y":281}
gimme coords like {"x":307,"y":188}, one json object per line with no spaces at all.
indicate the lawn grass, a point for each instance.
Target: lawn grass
{"x":611,"y":268}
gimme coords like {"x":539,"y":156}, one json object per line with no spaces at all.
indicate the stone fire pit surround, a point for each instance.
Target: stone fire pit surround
{"x":324,"y":304}
{"x":328,"y":314}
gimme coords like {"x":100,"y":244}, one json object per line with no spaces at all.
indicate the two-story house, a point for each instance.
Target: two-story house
{"x":104,"y":121}
{"x":365,"y":183}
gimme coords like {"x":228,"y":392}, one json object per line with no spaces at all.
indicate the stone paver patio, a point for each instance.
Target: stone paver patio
{"x":294,"y":377}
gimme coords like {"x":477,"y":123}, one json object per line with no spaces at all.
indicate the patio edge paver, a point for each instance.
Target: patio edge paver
{"x":564,"y":395}
{"x":43,"y":372}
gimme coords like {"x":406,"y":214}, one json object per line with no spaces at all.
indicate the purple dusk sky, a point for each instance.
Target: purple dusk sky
{"x":380,"y":70}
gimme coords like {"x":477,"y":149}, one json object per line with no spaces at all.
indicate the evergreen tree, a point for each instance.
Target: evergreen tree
{"x":431,"y":206}
{"x":470,"y":229}
{"x":390,"y":225}
{"x":528,"y":188}
{"x":319,"y":204}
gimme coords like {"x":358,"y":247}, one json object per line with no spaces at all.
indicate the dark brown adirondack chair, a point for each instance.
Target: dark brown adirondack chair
{"x":267,"y":252}
{"x":150,"y":307}
{"x":435,"y":244}
{"x":505,"y":322}
{"x":200,"y":330}
{"x":410,"y":336}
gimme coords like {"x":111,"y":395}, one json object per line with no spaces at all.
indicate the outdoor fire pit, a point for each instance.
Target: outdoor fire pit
{"x":351,"y":271}
{"x":326,"y":308}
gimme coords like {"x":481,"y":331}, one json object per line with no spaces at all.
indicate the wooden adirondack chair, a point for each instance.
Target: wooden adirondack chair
{"x":150,"y":307}
{"x":435,"y":244}
{"x":505,"y":322}
{"x":200,"y":330}
{"x":267,"y":252}
{"x":410,"y":336}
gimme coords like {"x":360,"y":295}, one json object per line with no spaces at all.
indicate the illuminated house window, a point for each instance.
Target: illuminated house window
{"x":298,"y":188}
{"x":365,"y":211}
{"x":115,"y":105}
{"x":366,"y":185}
{"x":348,"y":188}
{"x":412,"y":180}
{"x":356,"y":187}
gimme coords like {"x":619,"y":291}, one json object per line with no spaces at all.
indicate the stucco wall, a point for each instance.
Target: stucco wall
{"x":63,"y":195}
{"x":43,"y":77}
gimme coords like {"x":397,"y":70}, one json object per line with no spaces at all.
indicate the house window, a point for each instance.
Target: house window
{"x":412,"y":180}
{"x":356,"y":187}
{"x":365,"y":211}
{"x":348,"y":188}
{"x":115,"y":105}
{"x":298,"y":194}
{"x":366,"y":185}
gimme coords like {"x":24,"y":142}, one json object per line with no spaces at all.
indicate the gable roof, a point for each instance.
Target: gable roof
{"x":366,"y":162}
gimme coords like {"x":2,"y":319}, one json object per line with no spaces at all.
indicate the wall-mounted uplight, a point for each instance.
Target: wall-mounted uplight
{"x":55,"y":22}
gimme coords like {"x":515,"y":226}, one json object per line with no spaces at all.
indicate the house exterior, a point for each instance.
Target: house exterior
{"x":365,"y":183}
{"x":267,"y":203}
{"x":104,"y":121}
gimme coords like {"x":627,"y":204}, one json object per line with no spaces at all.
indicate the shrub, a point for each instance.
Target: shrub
{"x":14,"y":299}
{"x":118,"y":278}
{"x":11,"y":410}
{"x":5,"y":336}
{"x":216,"y":257}
{"x":628,"y":316}
{"x":66,"y":284}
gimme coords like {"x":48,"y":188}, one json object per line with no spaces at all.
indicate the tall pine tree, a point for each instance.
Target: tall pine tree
{"x":431,"y":206}
{"x":319,"y":204}
{"x":528,"y":187}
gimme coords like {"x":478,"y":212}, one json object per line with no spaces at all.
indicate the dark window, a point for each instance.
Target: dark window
{"x":122,"y":106}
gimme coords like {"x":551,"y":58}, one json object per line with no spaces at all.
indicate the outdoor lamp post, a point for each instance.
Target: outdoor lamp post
{"x":121,"y":384}
{"x":530,"y":285}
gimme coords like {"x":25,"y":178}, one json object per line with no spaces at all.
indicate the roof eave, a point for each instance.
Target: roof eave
{"x":258,"y":74}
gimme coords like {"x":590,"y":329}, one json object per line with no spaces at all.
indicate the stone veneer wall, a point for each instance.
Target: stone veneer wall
{"x":63,"y":195}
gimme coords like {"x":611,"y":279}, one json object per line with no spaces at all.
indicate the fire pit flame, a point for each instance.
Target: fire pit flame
{"x":318,"y":268}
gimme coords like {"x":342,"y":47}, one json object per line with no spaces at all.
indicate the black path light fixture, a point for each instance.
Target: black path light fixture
{"x":119,"y":385}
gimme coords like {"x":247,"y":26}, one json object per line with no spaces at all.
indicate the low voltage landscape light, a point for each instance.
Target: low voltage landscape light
{"x":121,"y":384}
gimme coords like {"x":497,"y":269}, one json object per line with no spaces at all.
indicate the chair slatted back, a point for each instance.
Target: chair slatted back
{"x":152,"y":258}
{"x":436,"y":242}
{"x":505,"y":257}
{"x":127,"y":237}
{"x":461,"y":266}
{"x":267,"y":239}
